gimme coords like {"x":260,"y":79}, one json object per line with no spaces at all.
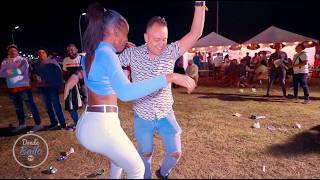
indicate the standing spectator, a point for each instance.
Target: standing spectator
{"x":210,"y":64}
{"x":49,"y":77}
{"x":251,"y":66}
{"x":15,"y":70}
{"x":193,"y":71}
{"x":247,"y":59}
{"x":242,"y":73}
{"x":301,"y":71}
{"x":71,"y":64}
{"x":197,"y":59}
{"x":278,"y":70}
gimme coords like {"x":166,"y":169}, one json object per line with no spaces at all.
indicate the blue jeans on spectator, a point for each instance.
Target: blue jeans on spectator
{"x":302,"y":80}
{"x":53,"y":106}
{"x":18,"y":98}
{"x":169,"y":131}
{"x":74,"y":116}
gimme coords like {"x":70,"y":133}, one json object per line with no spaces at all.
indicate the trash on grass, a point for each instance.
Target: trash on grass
{"x":95,"y":174}
{"x":237,"y":115}
{"x":297,"y":125}
{"x":71,"y":151}
{"x":62,"y":158}
{"x":52,"y":170}
{"x":257,"y":117}
{"x":256,"y":125}
{"x":271,"y":128}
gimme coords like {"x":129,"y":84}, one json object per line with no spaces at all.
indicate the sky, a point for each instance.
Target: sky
{"x":55,"y":24}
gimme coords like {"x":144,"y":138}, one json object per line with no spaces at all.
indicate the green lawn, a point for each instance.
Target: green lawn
{"x":215,"y":144}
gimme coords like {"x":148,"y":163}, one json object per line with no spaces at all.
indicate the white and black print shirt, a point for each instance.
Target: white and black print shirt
{"x":158,"y":104}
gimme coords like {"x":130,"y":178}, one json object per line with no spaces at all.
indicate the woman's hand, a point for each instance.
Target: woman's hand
{"x":72,"y":81}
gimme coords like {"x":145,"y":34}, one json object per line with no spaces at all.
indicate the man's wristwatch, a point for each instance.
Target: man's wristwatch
{"x":200,"y":3}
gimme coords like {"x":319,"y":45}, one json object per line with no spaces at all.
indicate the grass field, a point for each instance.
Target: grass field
{"x":215,"y":143}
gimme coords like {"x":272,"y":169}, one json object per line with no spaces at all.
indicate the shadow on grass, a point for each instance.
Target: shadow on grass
{"x":300,"y":144}
{"x":245,"y":97}
{"x":6,"y":131}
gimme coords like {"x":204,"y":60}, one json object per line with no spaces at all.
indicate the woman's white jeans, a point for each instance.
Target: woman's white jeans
{"x":102,"y":133}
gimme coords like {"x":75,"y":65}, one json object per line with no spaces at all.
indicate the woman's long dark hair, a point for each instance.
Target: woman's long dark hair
{"x":94,"y":32}
{"x":99,"y":20}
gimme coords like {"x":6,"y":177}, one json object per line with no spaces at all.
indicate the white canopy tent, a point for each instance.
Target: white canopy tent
{"x":213,"y":39}
{"x":212,"y":42}
{"x":276,"y":35}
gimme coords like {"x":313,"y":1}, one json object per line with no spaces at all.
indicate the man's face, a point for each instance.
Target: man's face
{"x":72,"y":51}
{"x":156,"y":38}
{"x":298,"y":49}
{"x":12,"y":53}
{"x":278,"y":48}
{"x":42,"y":55}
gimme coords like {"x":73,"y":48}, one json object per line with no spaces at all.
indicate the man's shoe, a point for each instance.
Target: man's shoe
{"x":72,"y":127}
{"x":29,"y":115}
{"x":64,"y":127}
{"x":160,"y":176}
{"x":36,"y":128}
{"x":53,"y":127}
{"x":21,"y":127}
{"x":306,"y":102}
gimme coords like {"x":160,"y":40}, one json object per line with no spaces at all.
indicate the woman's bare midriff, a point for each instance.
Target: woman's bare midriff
{"x":96,"y":99}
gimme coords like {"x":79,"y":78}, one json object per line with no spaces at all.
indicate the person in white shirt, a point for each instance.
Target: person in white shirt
{"x":300,"y":73}
{"x":71,"y":64}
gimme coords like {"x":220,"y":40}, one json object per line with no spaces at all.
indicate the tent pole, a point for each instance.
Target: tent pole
{"x":217,"y":26}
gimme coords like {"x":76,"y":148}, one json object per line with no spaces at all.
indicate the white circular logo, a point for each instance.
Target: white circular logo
{"x":30,"y":150}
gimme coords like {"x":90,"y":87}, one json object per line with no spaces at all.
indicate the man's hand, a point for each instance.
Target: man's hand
{"x":38,"y":78}
{"x":184,"y":81}
{"x":9,"y":72}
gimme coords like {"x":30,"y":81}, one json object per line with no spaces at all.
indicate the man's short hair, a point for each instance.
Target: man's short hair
{"x":157,"y":19}
{"x":71,"y":44}
{"x":12,"y":46}
{"x":44,"y":49}
{"x":301,"y":45}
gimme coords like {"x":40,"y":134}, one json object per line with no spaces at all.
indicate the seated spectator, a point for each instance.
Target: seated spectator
{"x":217,"y":65}
{"x":232,"y":74}
{"x":178,"y":68}
{"x":261,"y":73}
{"x":193,"y":71}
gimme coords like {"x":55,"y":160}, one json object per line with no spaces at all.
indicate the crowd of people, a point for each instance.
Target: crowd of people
{"x":97,"y":80}
{"x":254,"y":71}
{"x":47,"y":76}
